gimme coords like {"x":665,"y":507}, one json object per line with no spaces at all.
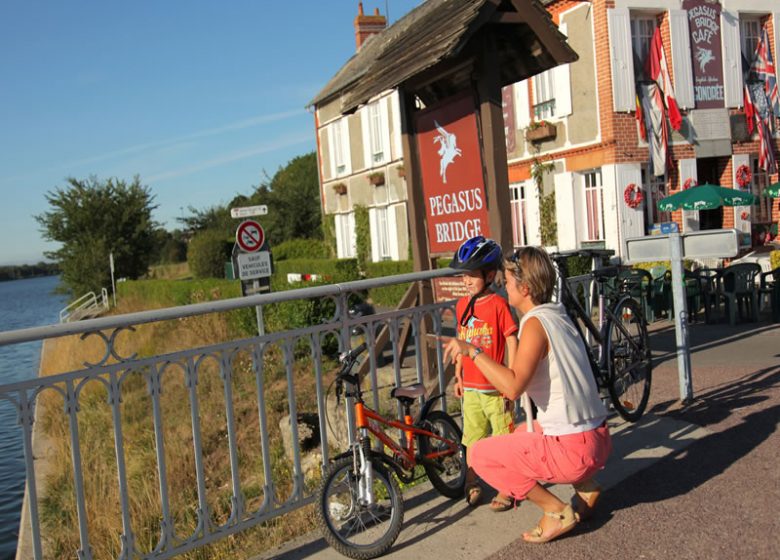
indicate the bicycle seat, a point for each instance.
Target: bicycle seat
{"x":409,"y":392}
{"x":606,"y":272}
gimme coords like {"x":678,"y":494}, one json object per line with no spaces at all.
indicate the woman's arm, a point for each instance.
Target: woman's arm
{"x":512,"y":382}
{"x":511,"y":349}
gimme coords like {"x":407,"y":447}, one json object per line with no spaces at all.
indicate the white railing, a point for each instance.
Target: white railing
{"x":87,"y":306}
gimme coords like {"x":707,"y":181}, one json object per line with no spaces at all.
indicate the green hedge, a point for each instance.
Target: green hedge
{"x":301,"y":249}
{"x":774,"y":259}
{"x":207,"y":253}
{"x":388,"y":296}
{"x":332,"y":270}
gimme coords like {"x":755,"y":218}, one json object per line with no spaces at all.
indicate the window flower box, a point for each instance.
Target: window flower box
{"x":377,"y":178}
{"x":401,"y":170}
{"x":340,"y":188}
{"x":540,"y":131}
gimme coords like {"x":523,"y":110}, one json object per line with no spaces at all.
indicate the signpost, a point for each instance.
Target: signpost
{"x":252,"y":258}
{"x":249,"y":211}
{"x":676,"y":247}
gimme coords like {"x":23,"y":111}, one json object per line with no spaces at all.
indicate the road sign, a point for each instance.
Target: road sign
{"x":254,"y":265}
{"x":712,"y":243}
{"x":250,"y":236}
{"x":670,"y":227}
{"x":247,"y":211}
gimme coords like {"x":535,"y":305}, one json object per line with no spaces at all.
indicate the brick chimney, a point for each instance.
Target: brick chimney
{"x":365,"y":26}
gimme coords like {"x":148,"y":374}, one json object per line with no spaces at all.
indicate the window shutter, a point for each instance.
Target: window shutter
{"x":392,"y":228}
{"x":395,"y":105}
{"x":533,"y":231}
{"x":522,"y":105}
{"x":331,"y":131}
{"x":632,"y":220}
{"x":621,"y":57}
{"x":365,"y":127}
{"x":690,"y":218}
{"x":384,"y":108}
{"x":562,"y":81}
{"x":740,"y":224}
{"x":564,"y":209}
{"x":732,"y":59}
{"x":681,"y":58}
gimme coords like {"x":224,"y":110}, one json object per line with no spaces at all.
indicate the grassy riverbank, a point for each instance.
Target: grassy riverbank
{"x":102,"y":496}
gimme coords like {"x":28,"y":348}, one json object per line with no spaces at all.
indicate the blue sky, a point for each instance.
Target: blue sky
{"x":197,"y":98}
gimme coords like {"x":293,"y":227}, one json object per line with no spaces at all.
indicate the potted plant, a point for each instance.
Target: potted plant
{"x":377,"y":178}
{"x":340,"y":188}
{"x":539,"y":131}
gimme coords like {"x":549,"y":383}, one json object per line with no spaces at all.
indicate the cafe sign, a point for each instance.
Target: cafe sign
{"x":452,"y":176}
{"x":704,"y":26}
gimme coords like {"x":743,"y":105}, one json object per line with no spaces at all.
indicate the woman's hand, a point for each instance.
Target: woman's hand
{"x":454,"y":348}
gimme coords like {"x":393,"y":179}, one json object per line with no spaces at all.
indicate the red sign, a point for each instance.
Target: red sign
{"x":452,"y":177}
{"x":704,"y":25}
{"x":250,"y":236}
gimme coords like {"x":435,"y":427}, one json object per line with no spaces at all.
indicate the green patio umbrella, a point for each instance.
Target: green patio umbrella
{"x":773,"y":190}
{"x":705,"y":197}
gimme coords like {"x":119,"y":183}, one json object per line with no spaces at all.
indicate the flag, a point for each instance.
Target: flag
{"x":655,"y":124}
{"x":750,"y":109}
{"x":766,"y":156}
{"x":658,"y":71}
{"x":640,"y":117}
{"x":763,"y":69}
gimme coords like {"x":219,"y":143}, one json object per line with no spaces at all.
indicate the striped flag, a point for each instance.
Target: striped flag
{"x":766,"y":156}
{"x":762,"y":102}
{"x":658,"y":71}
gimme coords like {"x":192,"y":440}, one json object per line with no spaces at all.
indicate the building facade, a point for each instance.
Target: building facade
{"x":589,"y":135}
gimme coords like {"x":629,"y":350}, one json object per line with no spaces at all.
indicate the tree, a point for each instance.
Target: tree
{"x":92,"y":218}
{"x":207,"y":254}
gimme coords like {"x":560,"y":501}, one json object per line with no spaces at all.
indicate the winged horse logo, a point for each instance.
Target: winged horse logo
{"x":447,"y":149}
{"x":704,"y":57}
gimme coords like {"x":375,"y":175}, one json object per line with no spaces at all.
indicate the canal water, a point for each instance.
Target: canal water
{"x":23,"y":303}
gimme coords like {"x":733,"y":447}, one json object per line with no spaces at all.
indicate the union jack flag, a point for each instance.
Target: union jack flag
{"x":763,"y":69}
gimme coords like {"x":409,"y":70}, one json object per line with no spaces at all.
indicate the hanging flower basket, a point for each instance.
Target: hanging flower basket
{"x":377,"y":178}
{"x":689,"y":182}
{"x":633,"y":195}
{"x":743,"y":176}
{"x":745,"y":215}
{"x":340,"y":188}
{"x":540,"y":131}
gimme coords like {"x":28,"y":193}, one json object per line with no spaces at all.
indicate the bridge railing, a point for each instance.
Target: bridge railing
{"x":249,"y":387}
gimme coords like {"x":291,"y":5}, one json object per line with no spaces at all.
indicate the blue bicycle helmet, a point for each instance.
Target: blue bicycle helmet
{"x":477,"y":253}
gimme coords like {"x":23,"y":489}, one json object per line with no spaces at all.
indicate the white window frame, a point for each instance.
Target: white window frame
{"x":338,"y":132}
{"x":593,"y":191}
{"x":345,"y":235}
{"x":642,"y":29}
{"x":544,"y":95}
{"x":749,"y":35}
{"x":519,"y":209}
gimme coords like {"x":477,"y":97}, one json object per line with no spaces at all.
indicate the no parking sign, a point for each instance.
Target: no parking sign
{"x":250,"y":236}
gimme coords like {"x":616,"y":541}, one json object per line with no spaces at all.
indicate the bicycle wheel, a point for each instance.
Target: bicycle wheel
{"x":447,"y":472}
{"x":356,"y":530}
{"x":628,"y":359}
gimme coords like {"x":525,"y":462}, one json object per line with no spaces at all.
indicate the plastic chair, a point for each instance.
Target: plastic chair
{"x":662,"y":291}
{"x":738,"y":288}
{"x":639,"y":283}
{"x":770,"y":288}
{"x":709,"y":291}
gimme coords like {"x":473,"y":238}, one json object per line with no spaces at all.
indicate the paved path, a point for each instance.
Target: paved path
{"x":696,"y":482}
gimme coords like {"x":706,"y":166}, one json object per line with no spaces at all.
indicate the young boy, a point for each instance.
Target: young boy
{"x":484,"y":320}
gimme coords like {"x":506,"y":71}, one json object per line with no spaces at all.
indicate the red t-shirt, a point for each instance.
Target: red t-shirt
{"x":487,"y":328}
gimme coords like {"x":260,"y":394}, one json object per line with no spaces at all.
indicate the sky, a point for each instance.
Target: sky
{"x":199,"y":99}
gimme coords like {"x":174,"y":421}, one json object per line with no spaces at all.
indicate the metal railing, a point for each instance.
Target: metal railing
{"x":88,"y":305}
{"x":116,"y":377}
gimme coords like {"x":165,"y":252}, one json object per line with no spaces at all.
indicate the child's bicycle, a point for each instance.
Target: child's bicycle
{"x":360,"y":504}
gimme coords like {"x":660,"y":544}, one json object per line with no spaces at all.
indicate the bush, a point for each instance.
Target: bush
{"x":388,"y":296}
{"x":207,"y":253}
{"x":774,"y":259}
{"x":301,"y":249}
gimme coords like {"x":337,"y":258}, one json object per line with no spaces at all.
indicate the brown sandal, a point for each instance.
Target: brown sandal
{"x":586,"y":494}
{"x":501,"y":503}
{"x":567,"y":521}
{"x":473,"y":494}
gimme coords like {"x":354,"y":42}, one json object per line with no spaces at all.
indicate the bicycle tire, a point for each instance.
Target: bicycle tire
{"x":628,"y":359}
{"x":378,"y":525}
{"x":453,"y":467}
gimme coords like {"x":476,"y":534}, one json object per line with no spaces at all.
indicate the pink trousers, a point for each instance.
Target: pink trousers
{"x":514,"y":463}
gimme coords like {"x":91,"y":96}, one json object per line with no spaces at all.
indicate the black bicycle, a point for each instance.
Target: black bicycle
{"x":620,"y":359}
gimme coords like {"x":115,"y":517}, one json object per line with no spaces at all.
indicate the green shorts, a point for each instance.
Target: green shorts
{"x":483,"y":414}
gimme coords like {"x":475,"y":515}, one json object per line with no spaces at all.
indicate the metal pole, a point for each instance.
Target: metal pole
{"x":259,"y":311}
{"x":113,"y":284}
{"x":681,"y":318}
